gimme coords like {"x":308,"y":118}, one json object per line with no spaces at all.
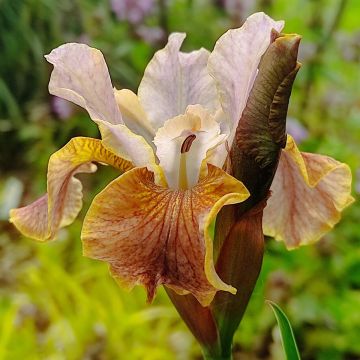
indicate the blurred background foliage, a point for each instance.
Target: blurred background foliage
{"x":55,"y":304}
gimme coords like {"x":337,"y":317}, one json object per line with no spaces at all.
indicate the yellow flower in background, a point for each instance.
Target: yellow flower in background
{"x":171,"y":141}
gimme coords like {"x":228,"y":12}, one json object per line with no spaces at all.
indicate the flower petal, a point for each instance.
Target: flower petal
{"x":170,"y":138}
{"x":153,"y":235}
{"x":134,"y":115}
{"x":124,"y":143}
{"x":173,"y":80}
{"x":234,"y":62}
{"x":59,"y":207}
{"x":80,"y":75}
{"x":308,"y":194}
{"x":121,"y":141}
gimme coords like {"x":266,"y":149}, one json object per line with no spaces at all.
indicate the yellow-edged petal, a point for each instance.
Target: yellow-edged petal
{"x":309,"y":192}
{"x":152,"y":235}
{"x":59,"y":207}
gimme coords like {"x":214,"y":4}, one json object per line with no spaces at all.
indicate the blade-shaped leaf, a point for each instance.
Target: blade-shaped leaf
{"x":286,"y":332}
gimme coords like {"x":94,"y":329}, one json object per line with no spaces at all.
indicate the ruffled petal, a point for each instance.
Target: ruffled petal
{"x":133,"y":114}
{"x":80,"y":75}
{"x":309,"y":192}
{"x":173,"y":80}
{"x":121,"y":141}
{"x":59,"y":207}
{"x":169,"y":140}
{"x":152,"y":235}
{"x":124,"y":143}
{"x":234,"y":62}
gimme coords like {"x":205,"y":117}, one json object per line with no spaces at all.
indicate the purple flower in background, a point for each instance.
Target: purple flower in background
{"x":233,"y":7}
{"x":63,"y":109}
{"x":307,"y":51}
{"x":133,"y":11}
{"x":151,"y":35}
{"x":238,"y":10}
{"x":349,"y":45}
{"x":357,"y":181}
{"x":296,"y":130}
{"x":84,"y":39}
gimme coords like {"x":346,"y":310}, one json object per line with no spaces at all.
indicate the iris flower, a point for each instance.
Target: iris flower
{"x":171,"y":143}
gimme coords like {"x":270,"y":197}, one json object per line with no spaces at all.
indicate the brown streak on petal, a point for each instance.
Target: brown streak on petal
{"x":151,"y":235}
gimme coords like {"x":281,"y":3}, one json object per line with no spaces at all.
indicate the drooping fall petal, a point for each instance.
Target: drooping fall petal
{"x":80,"y":75}
{"x":153,"y":235}
{"x":234,"y":61}
{"x":173,"y":80}
{"x":169,"y":140}
{"x":59,"y":207}
{"x":308,"y":194}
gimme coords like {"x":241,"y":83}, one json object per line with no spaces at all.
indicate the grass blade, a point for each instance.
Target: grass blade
{"x":286,"y":332}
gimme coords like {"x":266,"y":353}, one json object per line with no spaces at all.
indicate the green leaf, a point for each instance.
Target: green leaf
{"x":286,"y":332}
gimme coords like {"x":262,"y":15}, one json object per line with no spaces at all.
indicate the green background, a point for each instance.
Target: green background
{"x":56,"y":304}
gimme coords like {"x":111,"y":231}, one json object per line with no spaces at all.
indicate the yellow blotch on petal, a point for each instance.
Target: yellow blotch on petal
{"x":61,"y":204}
{"x":121,"y":141}
{"x":309,"y":192}
{"x":153,"y":235}
{"x":133,"y":114}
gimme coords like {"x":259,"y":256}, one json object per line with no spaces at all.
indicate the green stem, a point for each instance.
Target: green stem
{"x":212,"y":356}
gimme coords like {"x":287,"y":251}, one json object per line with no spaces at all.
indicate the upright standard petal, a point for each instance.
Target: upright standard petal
{"x":133,"y":114}
{"x":173,"y":80}
{"x":121,"y":141}
{"x":80,"y":75}
{"x":308,"y":194}
{"x":182,"y":144}
{"x":152,"y":235}
{"x":59,"y":207}
{"x":234,"y":63}
{"x":124,"y":143}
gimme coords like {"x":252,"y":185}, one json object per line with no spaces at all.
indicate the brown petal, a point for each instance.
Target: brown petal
{"x":59,"y":207}
{"x":153,"y":235}
{"x":309,"y":193}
